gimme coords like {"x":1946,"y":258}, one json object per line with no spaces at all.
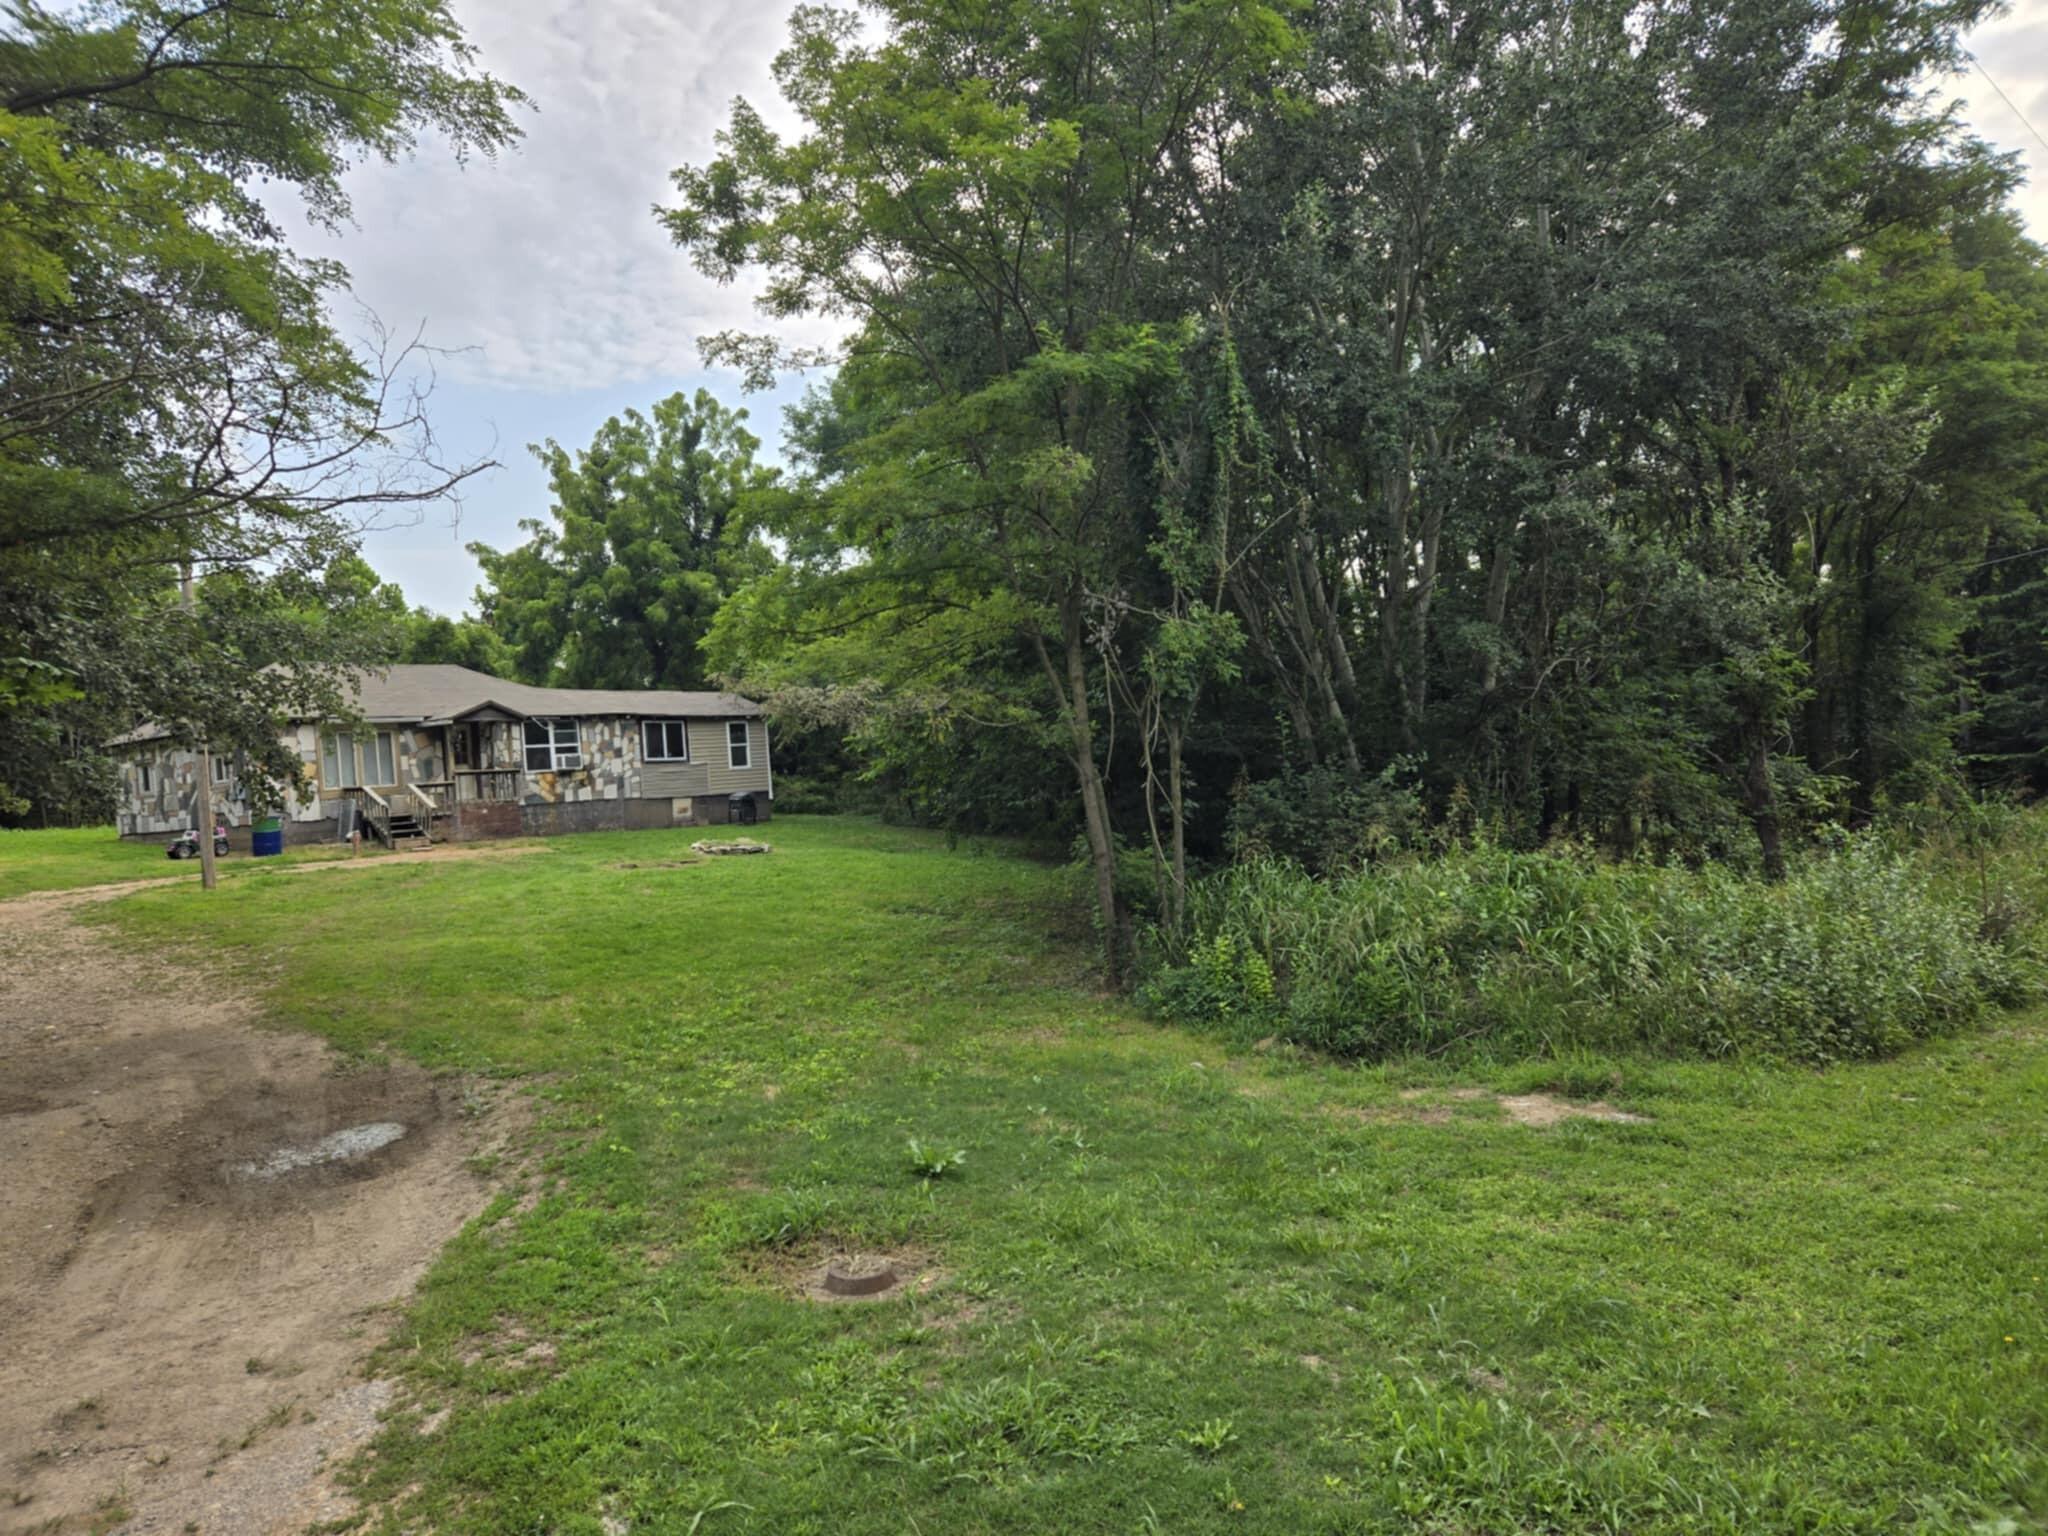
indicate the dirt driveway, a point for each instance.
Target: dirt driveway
{"x":204,"y":1228}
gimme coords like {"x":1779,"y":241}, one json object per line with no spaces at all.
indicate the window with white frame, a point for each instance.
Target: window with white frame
{"x":223,"y":768}
{"x":380,"y":762}
{"x":552,"y":745}
{"x":338,"y":761}
{"x":739,"y":747}
{"x":148,"y":776}
{"x":664,"y":741}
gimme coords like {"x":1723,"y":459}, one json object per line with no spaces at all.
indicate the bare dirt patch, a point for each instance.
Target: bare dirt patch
{"x":203,"y":1240}
{"x":1435,"y":1106}
{"x":1542,"y":1109}
{"x":1320,"y":1366}
{"x":510,"y":1345}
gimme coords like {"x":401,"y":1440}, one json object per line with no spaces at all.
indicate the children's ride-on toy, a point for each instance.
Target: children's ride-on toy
{"x":187,"y":845}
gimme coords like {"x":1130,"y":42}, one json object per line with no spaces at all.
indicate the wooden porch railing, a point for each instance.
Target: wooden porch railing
{"x":500,"y":784}
{"x":406,"y":812}
{"x":377,"y":812}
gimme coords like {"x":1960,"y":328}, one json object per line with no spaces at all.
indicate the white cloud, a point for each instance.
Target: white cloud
{"x":2013,"y":51}
{"x":550,"y":265}
{"x":548,"y":262}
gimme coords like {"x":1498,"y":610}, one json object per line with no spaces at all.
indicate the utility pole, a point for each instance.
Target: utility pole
{"x":203,"y":802}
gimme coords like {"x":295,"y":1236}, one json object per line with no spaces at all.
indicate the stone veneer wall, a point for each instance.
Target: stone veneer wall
{"x":171,"y":803}
{"x":302,"y":800}
{"x":610,"y":755}
{"x":420,"y":757}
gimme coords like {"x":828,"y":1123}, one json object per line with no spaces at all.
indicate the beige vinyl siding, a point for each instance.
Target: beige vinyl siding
{"x":707,"y":746}
{"x":668,"y":781}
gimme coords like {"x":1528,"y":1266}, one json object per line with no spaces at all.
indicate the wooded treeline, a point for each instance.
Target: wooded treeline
{"x":1281,"y":427}
{"x":1617,"y":420}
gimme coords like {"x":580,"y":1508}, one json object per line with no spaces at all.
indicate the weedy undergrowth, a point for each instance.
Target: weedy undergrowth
{"x":1864,"y":950}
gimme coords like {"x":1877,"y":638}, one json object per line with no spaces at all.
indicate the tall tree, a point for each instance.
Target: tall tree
{"x":645,"y":539}
{"x":171,"y":388}
{"x":1517,"y":287}
{"x":1305,"y":394}
{"x":990,"y":195}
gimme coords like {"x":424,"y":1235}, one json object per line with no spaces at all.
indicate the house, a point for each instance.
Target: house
{"x":447,"y":751}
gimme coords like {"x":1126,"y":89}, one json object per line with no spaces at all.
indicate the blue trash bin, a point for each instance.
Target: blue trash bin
{"x":267,"y":838}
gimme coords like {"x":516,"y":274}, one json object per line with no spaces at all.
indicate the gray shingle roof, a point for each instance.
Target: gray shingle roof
{"x":440,"y":692}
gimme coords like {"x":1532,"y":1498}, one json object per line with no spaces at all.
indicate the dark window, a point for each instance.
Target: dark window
{"x":739,"y":749}
{"x":664,"y":741}
{"x":552,"y":744}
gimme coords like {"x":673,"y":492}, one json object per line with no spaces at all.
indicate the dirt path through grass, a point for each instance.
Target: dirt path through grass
{"x":193,"y":1275}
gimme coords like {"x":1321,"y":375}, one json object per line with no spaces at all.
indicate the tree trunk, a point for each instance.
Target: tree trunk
{"x":1070,"y":694}
{"x":1864,"y":747}
{"x":1176,"y":800}
{"x":1762,"y":800}
{"x":202,"y":800}
{"x":1256,"y":620}
{"x":1500,"y":567}
{"x":1311,"y":646}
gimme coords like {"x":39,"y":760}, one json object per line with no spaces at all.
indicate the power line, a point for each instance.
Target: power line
{"x":2011,"y":106}
{"x":2023,"y":554}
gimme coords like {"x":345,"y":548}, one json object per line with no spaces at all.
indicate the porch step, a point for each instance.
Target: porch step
{"x":403,"y":829}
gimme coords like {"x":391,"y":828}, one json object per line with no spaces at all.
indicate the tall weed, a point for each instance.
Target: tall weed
{"x":1865,"y":949}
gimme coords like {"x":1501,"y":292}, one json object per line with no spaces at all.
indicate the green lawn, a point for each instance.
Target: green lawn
{"x":57,"y":860}
{"x":1179,"y":1290}
{"x":81,"y":856}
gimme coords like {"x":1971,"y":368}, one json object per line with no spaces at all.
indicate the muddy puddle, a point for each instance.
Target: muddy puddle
{"x":345,"y":1145}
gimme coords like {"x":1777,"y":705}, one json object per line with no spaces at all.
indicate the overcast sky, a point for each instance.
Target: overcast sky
{"x":566,"y":300}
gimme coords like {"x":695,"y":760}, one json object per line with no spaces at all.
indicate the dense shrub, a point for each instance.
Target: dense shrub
{"x":1863,"y":950}
{"x":1325,"y":819}
{"x":797,"y":795}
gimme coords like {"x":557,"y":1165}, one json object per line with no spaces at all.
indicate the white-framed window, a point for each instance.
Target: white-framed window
{"x":552,"y":745}
{"x":380,"y":762}
{"x":148,"y":776}
{"x":664,"y":741}
{"x":223,"y":769}
{"x":739,"y":746}
{"x":338,"y":761}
